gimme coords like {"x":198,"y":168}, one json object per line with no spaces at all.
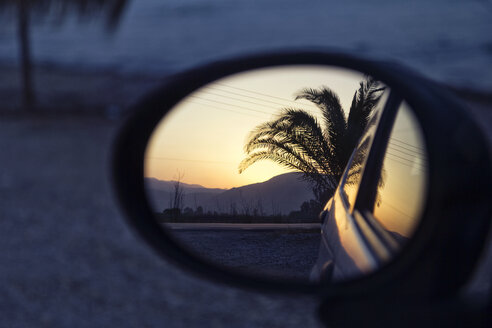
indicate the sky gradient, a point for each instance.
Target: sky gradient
{"x":202,"y":139}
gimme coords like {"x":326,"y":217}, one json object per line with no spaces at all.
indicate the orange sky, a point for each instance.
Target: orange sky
{"x":406,"y":175}
{"x":203,"y":137}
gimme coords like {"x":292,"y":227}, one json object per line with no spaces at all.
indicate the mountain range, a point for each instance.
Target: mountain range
{"x":279,"y":195}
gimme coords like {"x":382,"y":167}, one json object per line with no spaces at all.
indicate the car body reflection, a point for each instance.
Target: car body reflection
{"x":364,"y":225}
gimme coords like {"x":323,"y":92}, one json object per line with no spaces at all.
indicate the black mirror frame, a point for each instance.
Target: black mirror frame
{"x":440,"y":257}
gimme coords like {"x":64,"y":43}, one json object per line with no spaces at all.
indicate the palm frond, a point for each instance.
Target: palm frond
{"x":363,"y":103}
{"x":299,"y":132}
{"x":335,"y":122}
{"x":283,"y":158}
{"x":295,"y":139}
{"x":277,"y":147}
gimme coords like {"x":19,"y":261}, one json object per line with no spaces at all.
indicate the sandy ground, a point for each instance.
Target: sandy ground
{"x":69,"y":260}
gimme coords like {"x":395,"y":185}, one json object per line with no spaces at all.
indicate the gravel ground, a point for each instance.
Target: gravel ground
{"x":69,"y":260}
{"x":277,"y":253}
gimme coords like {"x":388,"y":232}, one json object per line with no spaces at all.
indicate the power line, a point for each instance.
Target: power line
{"x":405,"y":151}
{"x":246,"y":96}
{"x":187,"y":160}
{"x":407,"y":163}
{"x":227,"y":104}
{"x":256,"y":103}
{"x":407,"y":144}
{"x":258,"y":93}
{"x":223,"y":109}
{"x":236,"y":99}
{"x":405,"y":159}
{"x":269,"y":101}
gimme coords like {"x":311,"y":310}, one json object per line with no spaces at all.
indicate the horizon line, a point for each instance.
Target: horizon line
{"x":201,"y":186}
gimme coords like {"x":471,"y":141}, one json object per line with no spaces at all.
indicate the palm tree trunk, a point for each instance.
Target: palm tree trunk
{"x":25,"y":55}
{"x":114,"y":16}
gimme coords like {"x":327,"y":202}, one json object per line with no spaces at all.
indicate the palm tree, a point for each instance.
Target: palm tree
{"x":85,"y":8}
{"x":296,"y":140}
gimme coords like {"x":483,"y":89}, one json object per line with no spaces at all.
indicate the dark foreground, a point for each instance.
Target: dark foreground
{"x":287,"y":253}
{"x":69,"y":260}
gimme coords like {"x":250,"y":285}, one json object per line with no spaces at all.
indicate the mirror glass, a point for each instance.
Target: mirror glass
{"x":254,"y":172}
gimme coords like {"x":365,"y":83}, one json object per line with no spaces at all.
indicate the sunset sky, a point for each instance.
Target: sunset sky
{"x":203,"y":137}
{"x":405,"y":186}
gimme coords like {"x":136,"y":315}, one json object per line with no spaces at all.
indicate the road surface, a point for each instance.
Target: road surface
{"x":277,"y":253}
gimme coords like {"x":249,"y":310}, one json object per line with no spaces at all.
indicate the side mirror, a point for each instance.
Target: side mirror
{"x":400,"y":171}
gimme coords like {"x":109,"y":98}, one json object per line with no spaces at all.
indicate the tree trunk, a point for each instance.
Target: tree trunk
{"x":25,"y":55}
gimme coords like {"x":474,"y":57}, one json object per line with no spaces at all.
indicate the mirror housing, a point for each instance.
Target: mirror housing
{"x":459,"y":182}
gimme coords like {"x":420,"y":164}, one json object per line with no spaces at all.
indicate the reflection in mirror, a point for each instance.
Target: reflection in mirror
{"x":366,"y":227}
{"x":402,"y":191}
{"x":357,"y":162}
{"x":240,"y":169}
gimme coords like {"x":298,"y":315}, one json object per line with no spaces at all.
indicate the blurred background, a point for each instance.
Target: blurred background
{"x":69,"y":51}
{"x":70,"y":69}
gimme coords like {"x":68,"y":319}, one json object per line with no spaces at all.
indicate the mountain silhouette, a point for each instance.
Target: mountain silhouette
{"x":279,"y":195}
{"x":155,"y":184}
